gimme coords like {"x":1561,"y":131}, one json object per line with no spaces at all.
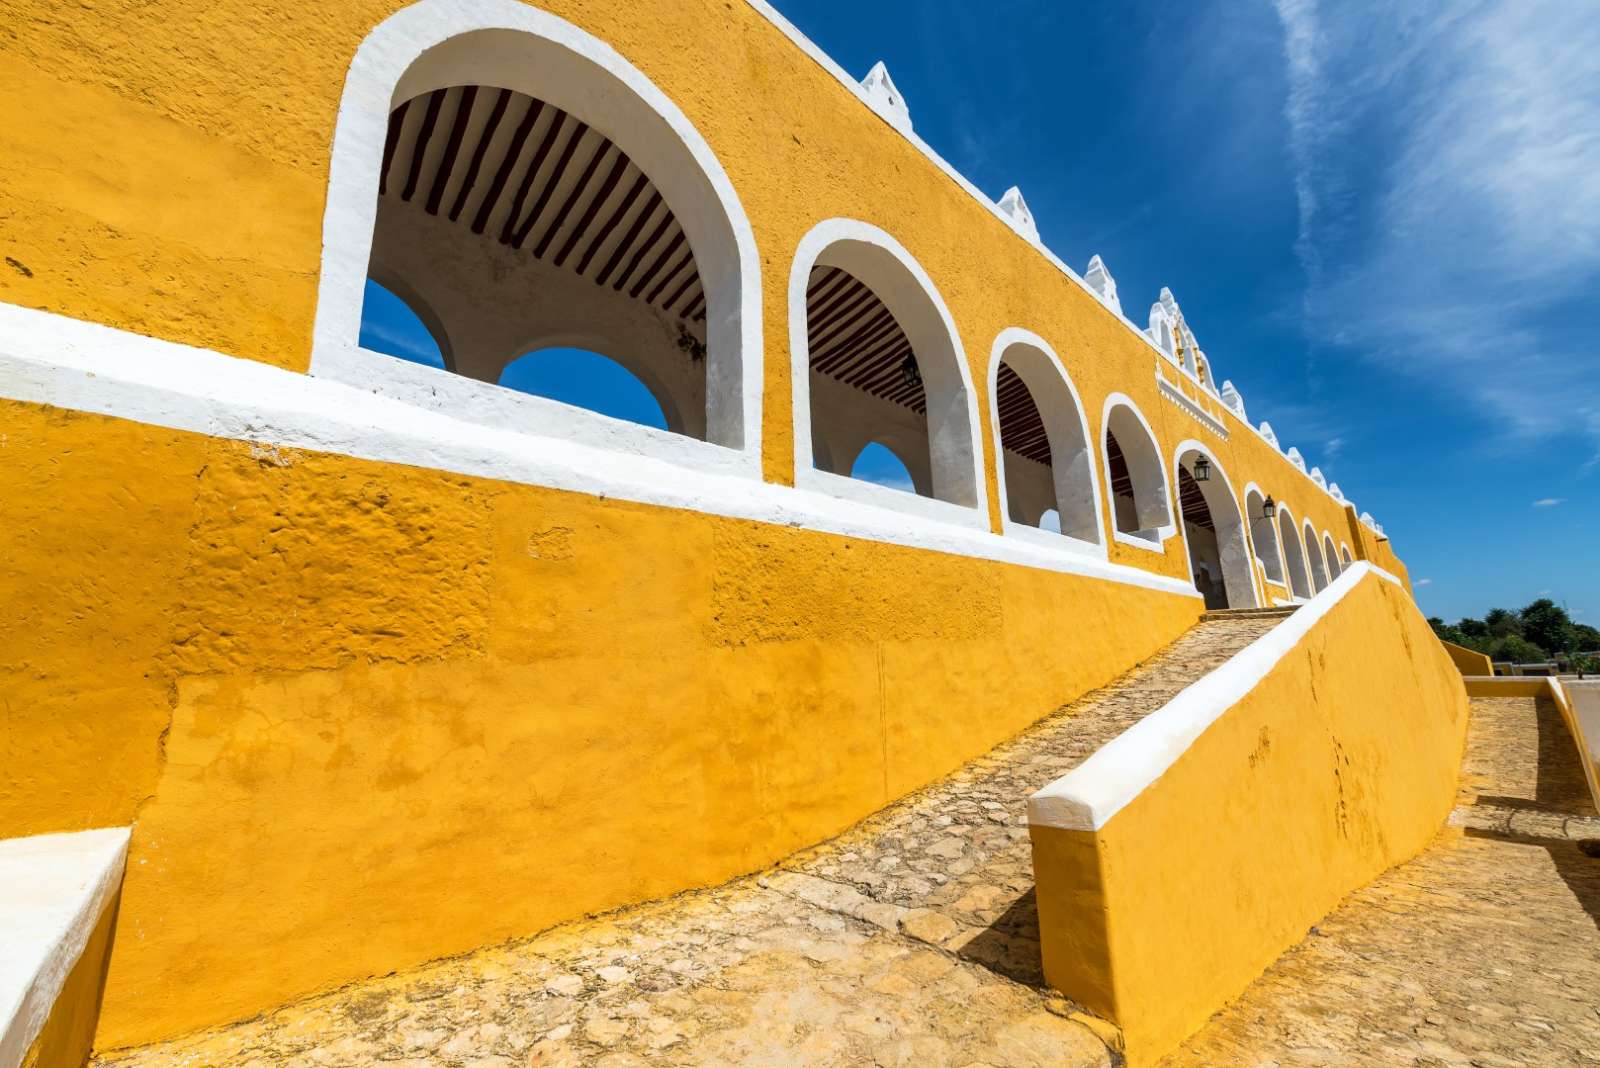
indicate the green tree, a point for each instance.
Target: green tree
{"x":1516,"y":649}
{"x":1473,"y":628}
{"x":1586,"y":638}
{"x":1547,"y":625}
{"x":1503,"y":623}
{"x":1445,"y":632}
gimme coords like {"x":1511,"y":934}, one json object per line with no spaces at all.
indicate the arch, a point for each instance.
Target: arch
{"x":395,"y":292}
{"x":1213,"y":529}
{"x":1263,"y":535}
{"x":1344,"y":554}
{"x":600,"y":384}
{"x":1294,"y":561}
{"x":1041,"y":439}
{"x":439,"y":52}
{"x":1050,"y":519}
{"x":1331,"y":555}
{"x":1135,"y":478}
{"x":891,"y":471}
{"x":1314,"y":563}
{"x":888,"y":362}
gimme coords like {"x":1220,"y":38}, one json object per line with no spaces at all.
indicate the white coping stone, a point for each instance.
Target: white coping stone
{"x":53,"y":890}
{"x":1336,"y":493}
{"x":1296,"y":459}
{"x":1088,"y":796}
{"x":1099,"y":279}
{"x":1269,"y":435}
{"x":50,"y":359}
{"x":886,"y":98}
{"x":1319,"y":478}
{"x":1012,"y":204}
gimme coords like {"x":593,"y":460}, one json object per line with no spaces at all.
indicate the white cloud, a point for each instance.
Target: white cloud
{"x":1423,"y":582}
{"x":1447,"y":170}
{"x":1333,"y":447}
{"x":1548,"y":502}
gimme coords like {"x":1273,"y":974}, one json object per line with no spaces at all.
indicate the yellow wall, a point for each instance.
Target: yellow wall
{"x":1469,"y":662}
{"x":1341,"y":762}
{"x":338,"y":763}
{"x":178,"y":156}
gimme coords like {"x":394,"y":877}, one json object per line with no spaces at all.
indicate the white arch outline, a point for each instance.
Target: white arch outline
{"x":1277,"y":543}
{"x":1195,"y":445}
{"x":1314,"y":543}
{"x":818,"y":240}
{"x":1003,"y":342}
{"x":1300,"y":553}
{"x":1330,"y":557}
{"x":1345,"y":555}
{"x":384,"y":66}
{"x":1166,"y":530}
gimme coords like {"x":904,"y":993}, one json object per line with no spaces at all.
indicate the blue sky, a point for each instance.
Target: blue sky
{"x":1381,"y":220}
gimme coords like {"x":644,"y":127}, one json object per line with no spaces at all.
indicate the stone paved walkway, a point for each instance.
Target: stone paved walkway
{"x":1484,"y":951}
{"x":910,"y":940}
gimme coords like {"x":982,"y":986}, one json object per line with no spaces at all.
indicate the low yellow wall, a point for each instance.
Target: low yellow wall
{"x":363,"y":715}
{"x":68,"y":1033}
{"x":1340,"y":762}
{"x":1469,"y":662}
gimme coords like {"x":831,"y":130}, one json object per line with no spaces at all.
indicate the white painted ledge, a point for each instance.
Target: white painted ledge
{"x":54,"y":888}
{"x":50,"y":359}
{"x":1088,"y":796}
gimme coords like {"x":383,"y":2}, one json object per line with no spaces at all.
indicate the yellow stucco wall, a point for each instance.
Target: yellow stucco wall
{"x":362,"y":715}
{"x":178,"y":157}
{"x":1469,"y":662}
{"x":1341,"y":762}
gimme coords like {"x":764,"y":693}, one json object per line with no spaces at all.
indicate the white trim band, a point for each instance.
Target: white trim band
{"x":1088,"y":796}
{"x":49,"y":359}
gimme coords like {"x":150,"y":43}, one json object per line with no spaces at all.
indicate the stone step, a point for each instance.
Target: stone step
{"x":1217,"y":614}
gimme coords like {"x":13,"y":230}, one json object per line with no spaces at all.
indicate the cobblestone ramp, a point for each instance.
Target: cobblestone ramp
{"x":910,"y":940}
{"x":1482,"y":952}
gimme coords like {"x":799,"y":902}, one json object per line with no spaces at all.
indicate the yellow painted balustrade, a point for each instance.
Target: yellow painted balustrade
{"x":1179,"y":861}
{"x":1469,"y":662}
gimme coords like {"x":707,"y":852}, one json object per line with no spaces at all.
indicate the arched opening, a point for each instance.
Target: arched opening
{"x":391,"y":325}
{"x":1263,"y":535}
{"x":589,"y":380}
{"x":536,"y":192}
{"x":1213,"y":530}
{"x":877,"y":360}
{"x":1044,"y":455}
{"x":1344,"y":554}
{"x":1314,"y":562}
{"x":1294,"y":555}
{"x":1134,"y":477}
{"x":879,"y":464}
{"x":522,"y":221}
{"x":1051,"y":521}
{"x":1331,"y":555}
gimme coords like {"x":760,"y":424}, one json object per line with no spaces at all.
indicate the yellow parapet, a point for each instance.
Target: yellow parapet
{"x":1184,"y":857}
{"x":1469,"y":662}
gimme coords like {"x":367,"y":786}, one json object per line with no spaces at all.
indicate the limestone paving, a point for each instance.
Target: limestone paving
{"x":909,"y":940}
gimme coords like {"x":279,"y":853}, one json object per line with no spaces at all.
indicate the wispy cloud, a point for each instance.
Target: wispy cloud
{"x":1548,"y":502}
{"x":1333,"y":447}
{"x":1447,"y":171}
{"x":1423,"y":582}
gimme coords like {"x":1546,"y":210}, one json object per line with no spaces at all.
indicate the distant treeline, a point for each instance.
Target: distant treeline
{"x":1539,"y":632}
